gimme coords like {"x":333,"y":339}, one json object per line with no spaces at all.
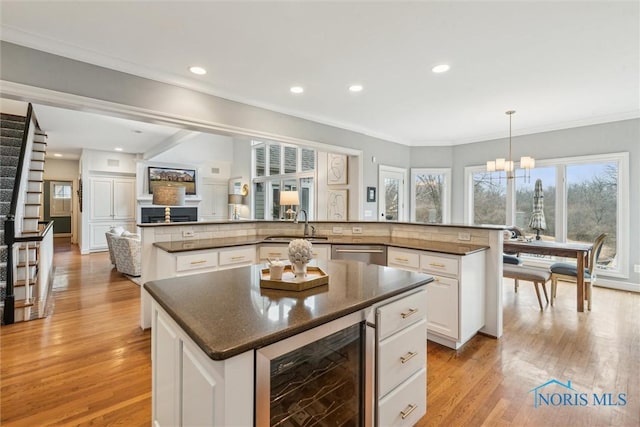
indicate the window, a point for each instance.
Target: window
{"x":289,"y":168}
{"x":592,"y":206}
{"x":60,"y":198}
{"x":489,"y":198}
{"x":524,"y":200}
{"x":583,"y":197}
{"x":430,"y":195}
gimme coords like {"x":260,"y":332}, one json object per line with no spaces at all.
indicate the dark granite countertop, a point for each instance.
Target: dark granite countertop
{"x":423,"y":245}
{"x":227,"y":313}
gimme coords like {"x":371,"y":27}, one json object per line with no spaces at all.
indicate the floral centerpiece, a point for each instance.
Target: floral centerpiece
{"x":300,"y":254}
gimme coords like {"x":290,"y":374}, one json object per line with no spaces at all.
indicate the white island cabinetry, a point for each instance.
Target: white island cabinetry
{"x":191,"y":389}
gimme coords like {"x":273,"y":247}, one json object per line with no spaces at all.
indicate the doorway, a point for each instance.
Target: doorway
{"x":58,"y":206}
{"x":391,"y":204}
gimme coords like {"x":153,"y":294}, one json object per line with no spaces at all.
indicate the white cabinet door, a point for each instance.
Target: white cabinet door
{"x":198,"y":391}
{"x":101,"y":199}
{"x":124,"y":206}
{"x":166,"y":363}
{"x":442,"y":306}
{"x":214,"y":201}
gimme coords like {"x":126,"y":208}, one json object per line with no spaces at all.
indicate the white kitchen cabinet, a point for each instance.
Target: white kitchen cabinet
{"x":111,"y":204}
{"x":401,"y":360}
{"x":191,"y":389}
{"x":237,"y":256}
{"x":280,"y":251}
{"x":456,"y":296}
{"x":406,"y":259}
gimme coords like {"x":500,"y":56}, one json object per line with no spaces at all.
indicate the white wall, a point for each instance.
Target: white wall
{"x":66,"y":170}
{"x":204,"y":152}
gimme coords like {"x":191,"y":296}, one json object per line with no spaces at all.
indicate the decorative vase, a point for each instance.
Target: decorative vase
{"x":299,"y":269}
{"x":300,"y":254}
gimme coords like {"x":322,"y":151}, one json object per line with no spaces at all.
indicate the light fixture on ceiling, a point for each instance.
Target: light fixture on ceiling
{"x":296,"y":89}
{"x":118,"y":148}
{"x":198,"y":70}
{"x":442,"y":68}
{"x":57,"y":155}
{"x":355,"y":88}
{"x":506,"y":165}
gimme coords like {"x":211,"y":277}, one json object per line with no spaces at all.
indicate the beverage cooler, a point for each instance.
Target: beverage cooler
{"x":320,"y":377}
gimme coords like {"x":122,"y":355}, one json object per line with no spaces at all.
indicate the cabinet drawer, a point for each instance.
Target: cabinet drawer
{"x":321,"y":252}
{"x":245,"y":255}
{"x":406,"y":404}
{"x":439,"y":264}
{"x":196,"y":261}
{"x":408,"y":260}
{"x":402,"y":313}
{"x":401,"y":355}
{"x":274,"y":252}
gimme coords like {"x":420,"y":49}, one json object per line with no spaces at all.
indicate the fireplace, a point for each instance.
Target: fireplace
{"x":178,"y":214}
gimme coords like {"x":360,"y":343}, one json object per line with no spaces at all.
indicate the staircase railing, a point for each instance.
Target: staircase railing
{"x":10,"y":225}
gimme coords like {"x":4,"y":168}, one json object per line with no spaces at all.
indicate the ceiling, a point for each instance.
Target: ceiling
{"x":558,"y":64}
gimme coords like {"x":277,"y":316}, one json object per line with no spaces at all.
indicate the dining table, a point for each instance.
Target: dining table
{"x":579,"y":251}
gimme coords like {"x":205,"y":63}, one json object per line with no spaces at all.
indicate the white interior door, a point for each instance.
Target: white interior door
{"x":391,"y":199}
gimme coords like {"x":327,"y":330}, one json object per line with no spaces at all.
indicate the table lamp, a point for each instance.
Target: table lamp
{"x":168,"y":196}
{"x":235,"y":200}
{"x":289,"y":198}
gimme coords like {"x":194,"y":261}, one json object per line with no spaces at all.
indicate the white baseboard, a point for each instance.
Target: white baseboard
{"x":614,"y":284}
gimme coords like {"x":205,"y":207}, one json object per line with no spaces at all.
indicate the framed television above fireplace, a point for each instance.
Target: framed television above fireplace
{"x":172,"y":177}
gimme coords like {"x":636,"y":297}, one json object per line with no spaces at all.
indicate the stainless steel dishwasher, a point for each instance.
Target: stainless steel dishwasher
{"x":371,"y":254}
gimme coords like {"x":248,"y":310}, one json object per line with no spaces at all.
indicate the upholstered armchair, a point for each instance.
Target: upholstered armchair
{"x":127,"y":250}
{"x":114,"y":231}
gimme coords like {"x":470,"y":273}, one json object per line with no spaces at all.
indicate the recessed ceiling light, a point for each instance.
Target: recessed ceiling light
{"x":355,"y":88}
{"x":198,"y":70}
{"x":118,"y":148}
{"x":57,"y":155}
{"x":296,"y":89}
{"x":442,"y":68}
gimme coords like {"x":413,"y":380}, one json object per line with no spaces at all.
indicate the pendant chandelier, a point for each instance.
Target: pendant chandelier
{"x":506,"y":165}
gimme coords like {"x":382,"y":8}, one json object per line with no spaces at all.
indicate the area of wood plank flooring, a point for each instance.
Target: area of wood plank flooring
{"x":89,"y":363}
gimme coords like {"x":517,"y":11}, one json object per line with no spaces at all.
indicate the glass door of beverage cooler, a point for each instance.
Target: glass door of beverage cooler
{"x":320,"y":382}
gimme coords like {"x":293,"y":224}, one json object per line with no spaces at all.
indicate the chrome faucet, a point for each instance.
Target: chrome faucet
{"x":306,"y":222}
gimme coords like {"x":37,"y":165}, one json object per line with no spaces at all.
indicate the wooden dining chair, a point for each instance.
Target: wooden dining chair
{"x":569,"y":272}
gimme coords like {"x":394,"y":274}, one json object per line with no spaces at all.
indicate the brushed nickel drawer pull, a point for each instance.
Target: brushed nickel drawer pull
{"x":408,"y":356}
{"x":409,"y":313}
{"x":437,"y":264}
{"x":407,"y":411}
{"x":402,"y":259}
{"x":200,"y":261}
{"x":360,"y":251}
{"x":275,"y":253}
{"x":237,"y":257}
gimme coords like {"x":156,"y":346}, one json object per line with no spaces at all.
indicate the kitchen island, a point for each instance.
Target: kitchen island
{"x":212,"y":332}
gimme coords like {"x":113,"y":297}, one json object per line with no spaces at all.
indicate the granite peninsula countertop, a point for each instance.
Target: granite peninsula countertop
{"x":227,"y":313}
{"x":423,"y":245}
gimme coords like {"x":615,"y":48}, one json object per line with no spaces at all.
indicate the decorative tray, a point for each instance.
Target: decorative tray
{"x":314,"y":277}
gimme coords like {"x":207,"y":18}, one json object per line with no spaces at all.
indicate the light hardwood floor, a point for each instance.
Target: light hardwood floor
{"x":89,"y":363}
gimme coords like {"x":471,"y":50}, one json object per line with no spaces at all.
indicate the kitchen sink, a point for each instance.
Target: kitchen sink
{"x":290,"y":238}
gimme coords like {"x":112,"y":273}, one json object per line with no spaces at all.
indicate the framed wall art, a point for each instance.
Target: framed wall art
{"x":337,"y":205}
{"x":337,"y":169}
{"x":172,"y":177}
